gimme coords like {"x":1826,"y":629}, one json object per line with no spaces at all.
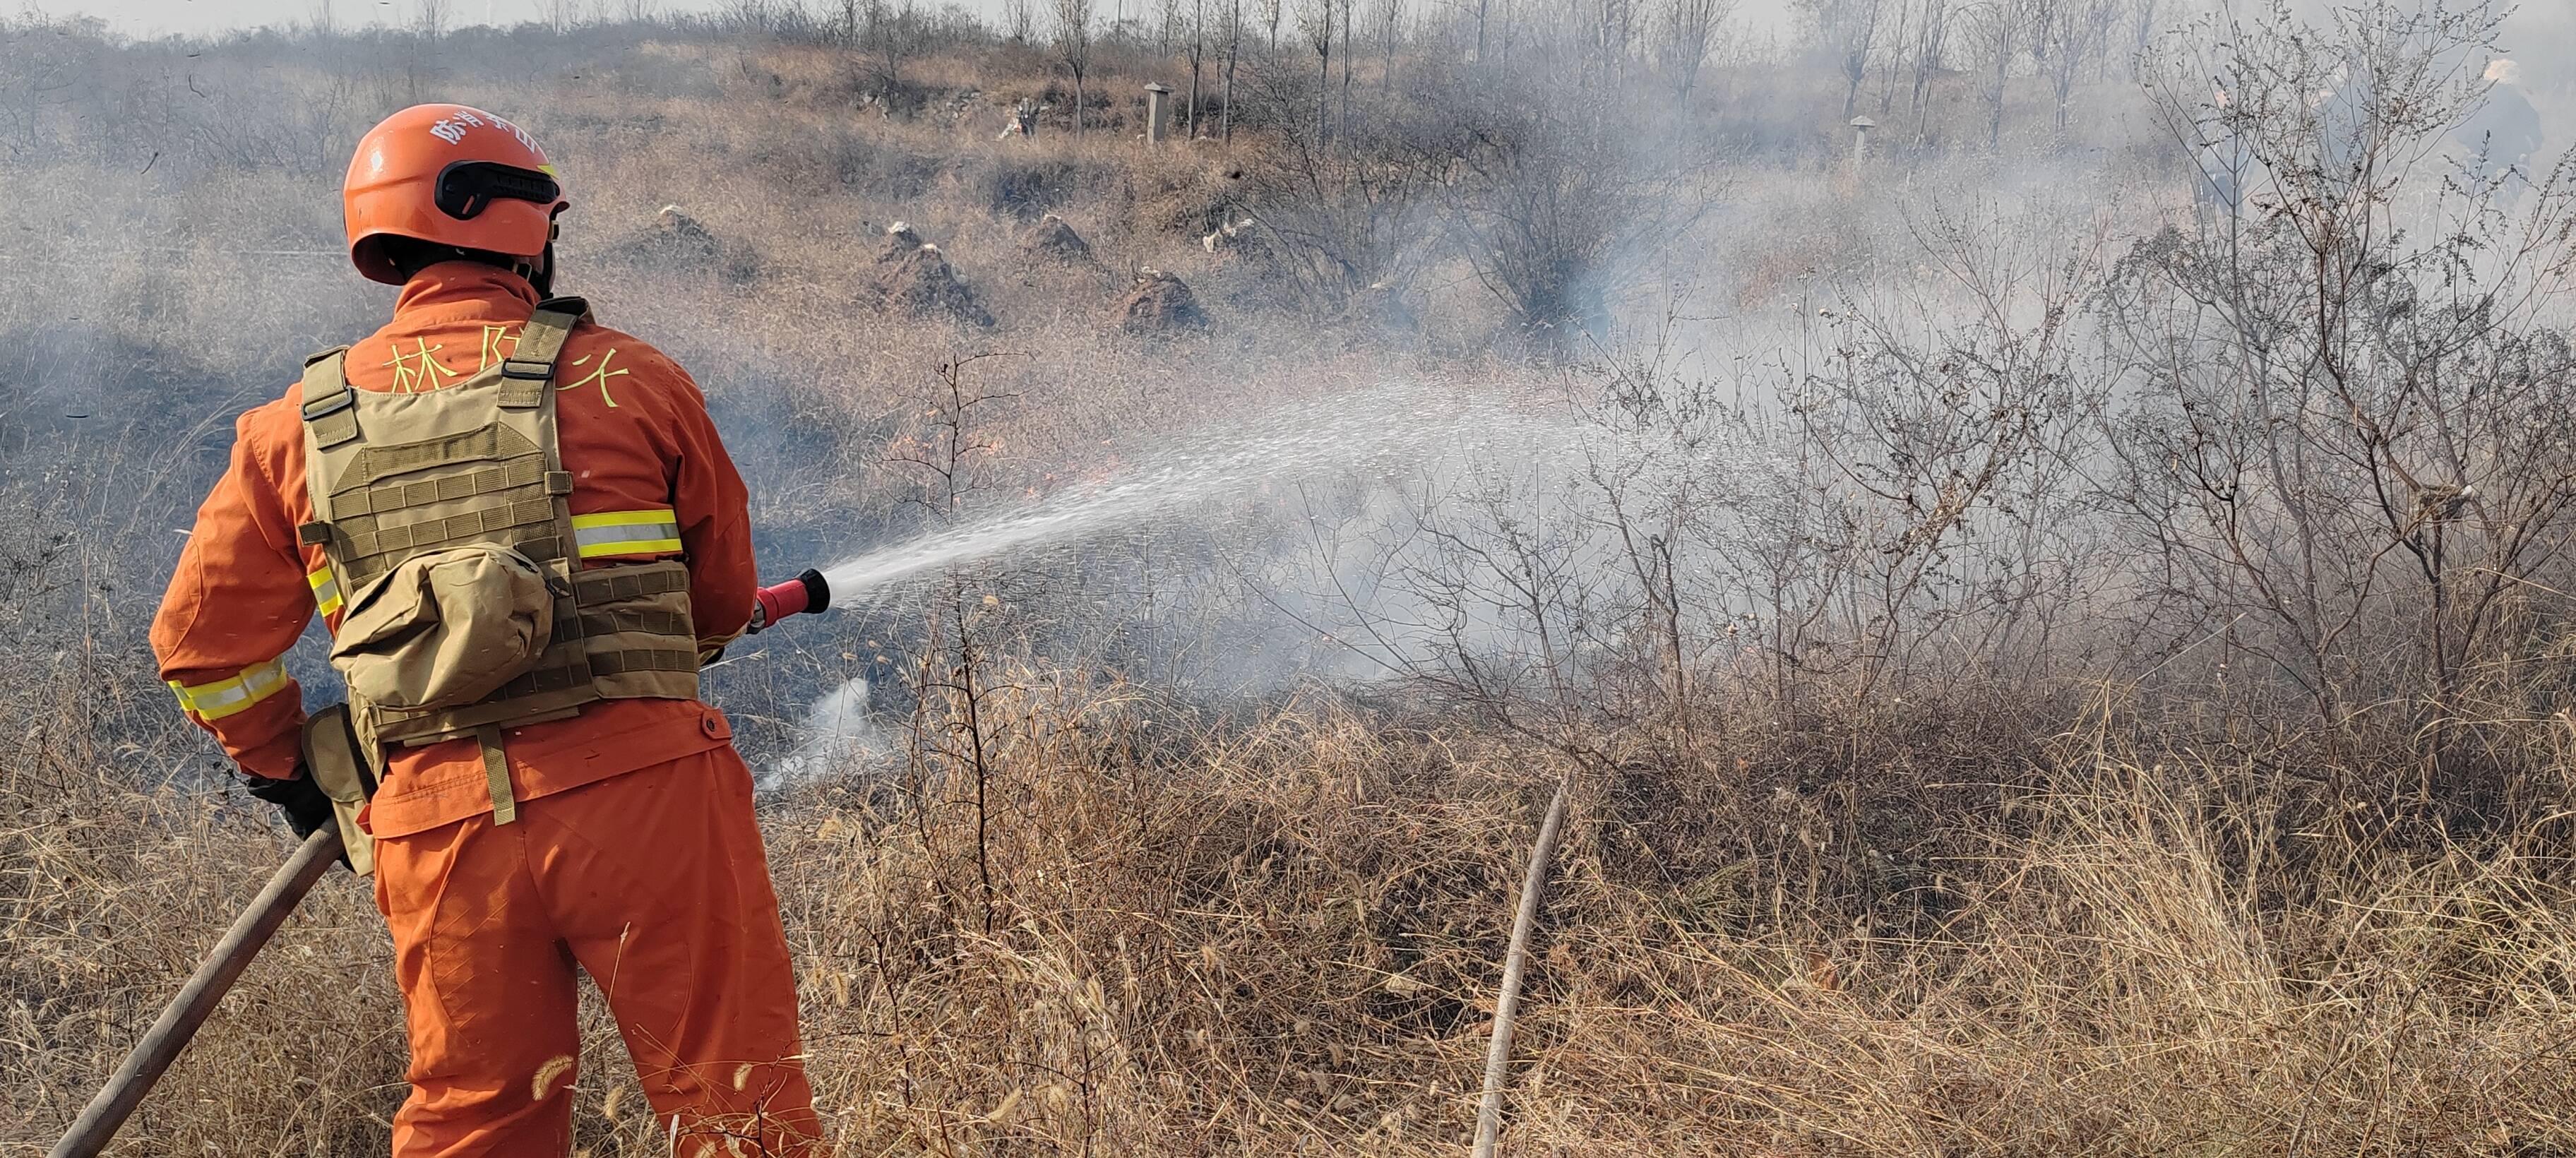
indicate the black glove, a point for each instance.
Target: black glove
{"x":303,"y":802}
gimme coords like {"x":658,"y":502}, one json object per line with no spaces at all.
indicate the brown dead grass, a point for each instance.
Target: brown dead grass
{"x":1279,"y":933}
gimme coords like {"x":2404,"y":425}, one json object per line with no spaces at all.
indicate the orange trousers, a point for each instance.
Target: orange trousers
{"x":654,"y":883}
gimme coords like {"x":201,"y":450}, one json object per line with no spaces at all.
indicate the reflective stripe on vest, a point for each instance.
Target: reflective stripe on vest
{"x":627,"y":533}
{"x":222,"y":698}
{"x":326,"y":590}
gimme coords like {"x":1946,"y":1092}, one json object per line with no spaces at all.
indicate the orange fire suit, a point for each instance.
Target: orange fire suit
{"x":634,"y":853}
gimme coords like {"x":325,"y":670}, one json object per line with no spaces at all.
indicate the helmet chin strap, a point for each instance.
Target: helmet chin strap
{"x":540,"y":272}
{"x":541,"y":276}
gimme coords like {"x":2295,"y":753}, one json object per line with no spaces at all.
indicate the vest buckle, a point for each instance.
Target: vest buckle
{"x":330,"y":404}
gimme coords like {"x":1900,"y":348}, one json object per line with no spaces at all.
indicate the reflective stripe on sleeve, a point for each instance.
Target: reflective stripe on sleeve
{"x":627,"y":533}
{"x":326,"y":590}
{"x":222,"y":698}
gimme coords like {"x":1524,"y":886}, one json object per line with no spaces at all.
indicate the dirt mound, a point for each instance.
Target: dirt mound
{"x":899,"y":243}
{"x":675,"y":223}
{"x":1052,"y":238}
{"x":677,"y":241}
{"x":1158,"y":303}
{"x":917,"y":281}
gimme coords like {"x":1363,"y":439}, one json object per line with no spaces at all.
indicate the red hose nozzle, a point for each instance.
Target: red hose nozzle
{"x":805,"y":592}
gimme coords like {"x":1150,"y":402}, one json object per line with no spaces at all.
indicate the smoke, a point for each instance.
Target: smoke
{"x":839,"y":736}
{"x":1717,"y":218}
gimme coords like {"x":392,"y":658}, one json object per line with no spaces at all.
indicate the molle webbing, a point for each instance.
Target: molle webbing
{"x":588,"y":665}
{"x":520,"y":493}
{"x":527,"y":526}
{"x":489,"y":443}
{"x":618,"y":622}
{"x":644,"y":660}
{"x":529,"y":471}
{"x":620,"y":584}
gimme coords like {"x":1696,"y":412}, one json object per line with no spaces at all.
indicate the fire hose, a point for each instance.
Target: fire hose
{"x":160,"y":1045}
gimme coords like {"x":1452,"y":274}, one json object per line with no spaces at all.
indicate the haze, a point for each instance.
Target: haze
{"x":150,"y":18}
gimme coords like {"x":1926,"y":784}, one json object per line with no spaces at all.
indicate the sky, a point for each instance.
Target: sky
{"x":146,"y":18}
{"x":156,"y":17}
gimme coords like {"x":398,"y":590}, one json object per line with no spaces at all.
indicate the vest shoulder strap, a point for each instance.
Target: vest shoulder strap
{"x":531,"y":365}
{"x":329,"y":411}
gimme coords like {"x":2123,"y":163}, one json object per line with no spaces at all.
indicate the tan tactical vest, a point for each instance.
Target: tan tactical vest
{"x":466,"y":485}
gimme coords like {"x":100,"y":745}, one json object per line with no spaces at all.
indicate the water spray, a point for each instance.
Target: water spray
{"x":1392,"y":428}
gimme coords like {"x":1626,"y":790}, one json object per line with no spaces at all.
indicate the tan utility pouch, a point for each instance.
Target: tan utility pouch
{"x":331,"y":757}
{"x":446,"y":628}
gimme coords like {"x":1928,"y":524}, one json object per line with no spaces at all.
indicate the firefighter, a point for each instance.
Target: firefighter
{"x":525,"y":536}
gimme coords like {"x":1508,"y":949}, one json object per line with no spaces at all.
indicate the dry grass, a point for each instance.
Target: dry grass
{"x":1275,"y":934}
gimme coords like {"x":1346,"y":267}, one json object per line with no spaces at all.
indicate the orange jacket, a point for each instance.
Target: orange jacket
{"x":635,"y":435}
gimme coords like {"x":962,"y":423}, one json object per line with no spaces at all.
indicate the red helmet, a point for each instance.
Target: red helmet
{"x":449,"y":175}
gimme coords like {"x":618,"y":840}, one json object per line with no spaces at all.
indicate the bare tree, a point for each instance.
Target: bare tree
{"x":1931,"y":40}
{"x":1073,"y":48}
{"x":885,"y":33}
{"x":429,"y":18}
{"x":1943,"y":430}
{"x":1689,"y":26}
{"x":1896,"y":36}
{"x":1271,"y":11}
{"x":1233,"y":55}
{"x":2065,"y":34}
{"x":1845,"y":30}
{"x":2144,"y":16}
{"x":1390,"y":16}
{"x":1196,"y":50}
{"x":1350,"y":57}
{"x":1343,"y":228}
{"x":1019,"y":20}
{"x":1995,"y":28}
{"x":1316,"y":21}
{"x":1608,"y":33}
{"x":953,"y":734}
